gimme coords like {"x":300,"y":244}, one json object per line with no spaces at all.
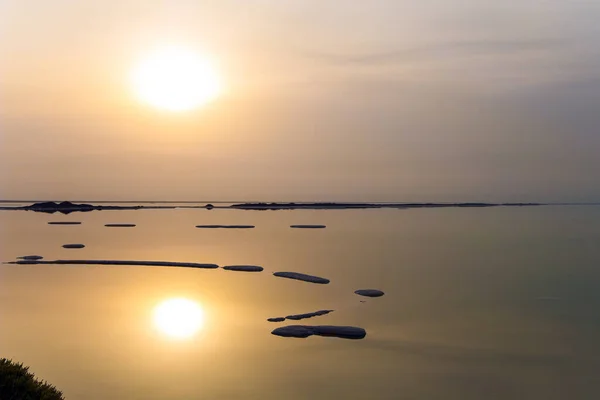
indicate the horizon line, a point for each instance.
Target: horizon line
{"x":293,"y":201}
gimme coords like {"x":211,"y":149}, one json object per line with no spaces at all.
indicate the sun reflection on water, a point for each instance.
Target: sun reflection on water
{"x":179,"y":318}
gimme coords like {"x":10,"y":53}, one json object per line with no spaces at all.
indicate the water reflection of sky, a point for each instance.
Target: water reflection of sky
{"x":494,"y":303}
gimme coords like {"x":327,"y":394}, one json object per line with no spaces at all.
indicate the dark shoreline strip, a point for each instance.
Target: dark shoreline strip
{"x":341,"y":206}
{"x":68,"y":207}
{"x":119,"y":262}
{"x":64,"y":223}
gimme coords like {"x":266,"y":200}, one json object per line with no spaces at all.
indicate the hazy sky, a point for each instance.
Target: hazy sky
{"x":325,"y":100}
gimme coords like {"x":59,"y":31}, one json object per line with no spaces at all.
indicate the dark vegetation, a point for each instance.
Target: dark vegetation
{"x":17,"y":383}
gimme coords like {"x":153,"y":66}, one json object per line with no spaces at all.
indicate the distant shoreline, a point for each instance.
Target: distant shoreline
{"x":67,"y":207}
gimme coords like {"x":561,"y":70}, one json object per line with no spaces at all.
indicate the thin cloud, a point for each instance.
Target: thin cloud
{"x":454,"y":49}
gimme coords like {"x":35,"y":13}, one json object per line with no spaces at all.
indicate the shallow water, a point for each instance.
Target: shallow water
{"x":491,"y":303}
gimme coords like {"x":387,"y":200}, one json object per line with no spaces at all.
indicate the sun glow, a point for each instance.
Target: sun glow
{"x":179,"y":318}
{"x":176,"y":79}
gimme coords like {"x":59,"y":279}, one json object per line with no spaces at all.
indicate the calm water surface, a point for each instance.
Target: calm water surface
{"x":494,"y":303}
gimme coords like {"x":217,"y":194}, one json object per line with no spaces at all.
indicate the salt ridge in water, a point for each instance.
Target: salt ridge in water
{"x":119,"y":262}
{"x":369,"y":292}
{"x":31,"y":258}
{"x":73,"y":246}
{"x":225,"y":226}
{"x":243,"y":268}
{"x":297,"y":317}
{"x":119,"y":225}
{"x":304,"y":331}
{"x":302,"y":277}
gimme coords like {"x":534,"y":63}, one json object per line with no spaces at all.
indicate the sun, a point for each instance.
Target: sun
{"x":179,"y":318}
{"x":176,"y":79}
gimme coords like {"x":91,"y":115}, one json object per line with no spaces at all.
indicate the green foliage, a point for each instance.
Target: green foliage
{"x":17,"y":383}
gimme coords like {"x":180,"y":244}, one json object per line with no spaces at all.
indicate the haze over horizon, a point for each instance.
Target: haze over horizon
{"x":462,"y":100}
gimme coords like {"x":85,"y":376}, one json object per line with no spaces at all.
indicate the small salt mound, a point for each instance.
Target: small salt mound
{"x":369,"y":292}
{"x":64,"y":223}
{"x":243,"y":268}
{"x":225,"y":226}
{"x":119,"y":225}
{"x":308,"y":226}
{"x":302,"y":277}
{"x":298,"y":317}
{"x":276,"y":319}
{"x":33,"y":258}
{"x":74,"y":246}
{"x":304,"y":331}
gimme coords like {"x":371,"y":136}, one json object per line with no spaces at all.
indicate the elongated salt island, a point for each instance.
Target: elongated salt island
{"x":225,"y":226}
{"x":302,"y":277}
{"x":74,"y":246}
{"x":33,"y":258}
{"x":119,"y":225}
{"x":308,"y":226}
{"x":64,"y":223}
{"x":297,"y":317}
{"x":119,"y":262}
{"x":369,"y":292}
{"x":304,"y":331}
{"x":243,"y":268}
